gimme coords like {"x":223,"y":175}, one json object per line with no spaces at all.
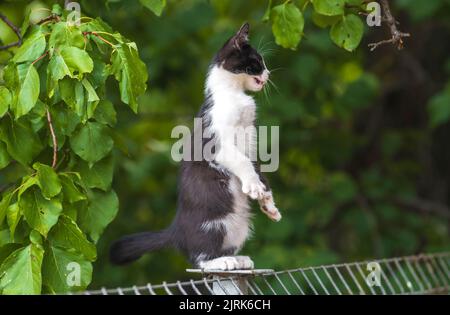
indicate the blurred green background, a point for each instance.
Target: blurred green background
{"x":364,"y":155}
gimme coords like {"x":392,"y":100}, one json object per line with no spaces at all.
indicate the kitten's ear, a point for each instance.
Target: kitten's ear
{"x":241,"y":36}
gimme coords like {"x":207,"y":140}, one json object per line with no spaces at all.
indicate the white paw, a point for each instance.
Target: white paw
{"x":254,"y":188}
{"x":221,"y":263}
{"x":227,"y":263}
{"x":245,"y":262}
{"x":267,"y":206}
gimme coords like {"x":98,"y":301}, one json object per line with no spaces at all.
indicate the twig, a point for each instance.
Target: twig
{"x":99,"y":37}
{"x":15,"y":29}
{"x":396,"y":35}
{"x":55,"y":143}
{"x":42,"y":56}
{"x":49,"y":18}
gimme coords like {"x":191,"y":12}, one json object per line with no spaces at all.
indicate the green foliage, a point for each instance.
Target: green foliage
{"x":329,"y":7}
{"x":288,"y":22}
{"x":53,"y":215}
{"x":156,"y":6}
{"x":287,"y":25}
{"x":348,"y":32}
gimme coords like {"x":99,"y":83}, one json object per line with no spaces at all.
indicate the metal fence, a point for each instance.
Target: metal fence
{"x":420,"y":274}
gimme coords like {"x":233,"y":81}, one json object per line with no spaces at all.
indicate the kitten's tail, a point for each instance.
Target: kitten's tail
{"x":131,"y":247}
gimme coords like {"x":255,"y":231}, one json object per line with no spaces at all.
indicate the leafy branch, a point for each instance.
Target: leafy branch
{"x":54,"y":100}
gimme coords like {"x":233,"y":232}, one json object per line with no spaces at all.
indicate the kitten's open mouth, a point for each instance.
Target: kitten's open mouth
{"x":258,"y":81}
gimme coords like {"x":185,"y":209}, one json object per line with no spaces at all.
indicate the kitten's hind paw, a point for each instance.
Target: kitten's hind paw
{"x":227,"y":263}
{"x":245,"y":262}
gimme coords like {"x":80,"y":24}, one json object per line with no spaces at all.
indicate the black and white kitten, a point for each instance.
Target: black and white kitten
{"x":213,"y":216}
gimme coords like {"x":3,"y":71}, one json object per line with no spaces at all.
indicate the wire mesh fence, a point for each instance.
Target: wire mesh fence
{"x":420,"y":274}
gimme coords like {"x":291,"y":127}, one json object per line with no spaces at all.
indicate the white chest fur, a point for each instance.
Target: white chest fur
{"x":232,"y":110}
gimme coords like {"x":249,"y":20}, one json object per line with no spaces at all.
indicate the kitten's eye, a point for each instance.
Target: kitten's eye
{"x":248,"y":70}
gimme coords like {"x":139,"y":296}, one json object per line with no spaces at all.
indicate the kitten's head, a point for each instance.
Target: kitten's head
{"x":238,"y":57}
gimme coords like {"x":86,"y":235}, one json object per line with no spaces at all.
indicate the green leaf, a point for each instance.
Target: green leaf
{"x":329,"y":7}
{"x":5,"y":237}
{"x":102,"y":209}
{"x":66,"y":234}
{"x":348,"y":32}
{"x":64,"y":120}
{"x":35,"y":237}
{"x":325,"y":20}
{"x":32,"y":48}
{"x":61,"y":268}
{"x":40,"y":213}
{"x":48,"y":180}
{"x":57,"y":68}
{"x":100,"y":73}
{"x":22,"y":143}
{"x":77,"y":60}
{"x":20,"y":273}
{"x":91,"y":142}
{"x":4,"y":204}
{"x":37,"y":116}
{"x":64,"y":35}
{"x":13,"y":216}
{"x":287,"y":25}
{"x":131,"y":73}
{"x":4,"y":156}
{"x":72,"y":93}
{"x":7,"y":250}
{"x":439,"y":108}
{"x":27,"y":182}
{"x":92,"y":98}
{"x":71,"y":192}
{"x":156,"y":6}
{"x":5,"y":100}
{"x":100,"y":175}
{"x":92,"y":95}
{"x":28,"y":92}
{"x":105,"y":113}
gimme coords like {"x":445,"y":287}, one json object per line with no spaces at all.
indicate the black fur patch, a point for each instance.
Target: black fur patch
{"x":238,"y":56}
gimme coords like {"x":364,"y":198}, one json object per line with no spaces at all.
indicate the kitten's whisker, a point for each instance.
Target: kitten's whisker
{"x":267,"y":43}
{"x":276,"y":69}
{"x":267,"y":93}
{"x":266,"y":51}
{"x":274,"y":85}
{"x":260,"y":41}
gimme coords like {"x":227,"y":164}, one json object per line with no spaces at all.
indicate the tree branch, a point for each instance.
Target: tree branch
{"x":396,"y":35}
{"x":52,"y":17}
{"x":55,"y":143}
{"x":15,"y":29}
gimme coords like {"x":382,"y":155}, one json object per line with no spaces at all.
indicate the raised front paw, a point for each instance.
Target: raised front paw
{"x":253,"y":188}
{"x":267,"y":206}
